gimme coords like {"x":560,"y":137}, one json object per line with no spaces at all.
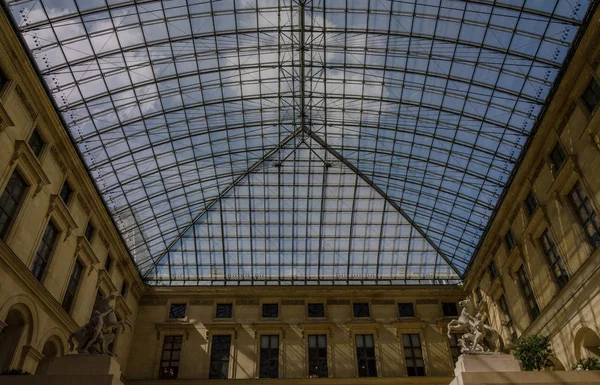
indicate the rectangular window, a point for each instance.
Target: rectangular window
{"x":365,"y":355}
{"x":169,"y":360}
{"x":586,"y":214}
{"x":591,"y":95}
{"x":270,"y":310}
{"x":269,"y":357}
{"x":554,"y":260}
{"x":454,"y":347}
{"x":224,"y":310}
{"x":527,"y":291}
{"x":219,"y":357}
{"x":406,"y":310}
{"x":361,"y":309}
{"x":72,"y":286}
{"x":89,"y":231}
{"x":108,"y":263}
{"x":413,"y":353}
{"x":42,"y":255}
{"x":317,"y":356}
{"x":36,"y":143}
{"x":177,"y":310}
{"x":316,"y":310}
{"x":509,"y":240}
{"x":493,"y":271}
{"x":449,"y":309}
{"x":507,"y":317}
{"x":11,"y":200}
{"x":65,"y":192}
{"x":531,"y":203}
{"x":124,"y":289}
{"x":558,"y":156}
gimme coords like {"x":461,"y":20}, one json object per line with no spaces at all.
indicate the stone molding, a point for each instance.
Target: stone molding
{"x":60,"y":213}
{"x":168,"y":327}
{"x":84,"y":250}
{"x":105,"y":283}
{"x":30,"y":165}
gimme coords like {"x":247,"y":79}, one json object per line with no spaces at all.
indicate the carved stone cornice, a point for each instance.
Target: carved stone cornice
{"x":410,"y":325}
{"x":121,"y":307}
{"x":60,"y":213}
{"x":183,"y":327}
{"x":57,"y":158}
{"x":84,"y":206}
{"x":84,"y":250}
{"x":105,"y":284}
{"x":5,"y":120}
{"x":26,"y":104}
{"x":30,"y":165}
{"x":103,"y":239}
{"x":213,"y":328}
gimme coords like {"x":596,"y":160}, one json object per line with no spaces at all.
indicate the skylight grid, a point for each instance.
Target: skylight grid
{"x":177,"y":106}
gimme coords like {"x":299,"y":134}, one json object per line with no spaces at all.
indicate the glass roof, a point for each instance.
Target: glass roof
{"x":300,"y":141}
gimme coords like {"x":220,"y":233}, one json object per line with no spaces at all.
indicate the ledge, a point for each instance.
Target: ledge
{"x":84,"y":249}
{"x":429,"y":380}
{"x":105,"y":283}
{"x":184,"y":327}
{"x":59,"y":211}
{"x":121,"y":307}
{"x":30,"y":165}
{"x":410,"y":325}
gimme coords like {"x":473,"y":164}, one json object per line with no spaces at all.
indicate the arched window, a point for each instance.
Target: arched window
{"x":10,"y":338}
{"x":587,"y":343}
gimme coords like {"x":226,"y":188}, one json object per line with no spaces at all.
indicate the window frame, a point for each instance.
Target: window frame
{"x":217,"y":304}
{"x":509,"y":241}
{"x":492,"y":270}
{"x":162,"y":350}
{"x":455,"y":308}
{"x":524,"y":282}
{"x":262,"y":310}
{"x":360,"y":303}
{"x":230,"y":361}
{"x":578,"y":185}
{"x":71,"y":193}
{"x":596,"y":94}
{"x":375,"y":352}
{"x":531,"y":203}
{"x":44,"y":143}
{"x":76,"y":262}
{"x":503,"y":305}
{"x":51,"y":253}
{"x":548,"y":237}
{"x":279,"y":354}
{"x":559,"y":150}
{"x":412,"y":348}
{"x":308,"y":305}
{"x":452,"y":348}
{"x":6,"y":233}
{"x":319,"y":358}
{"x":185,"y":310}
{"x":412,"y":305}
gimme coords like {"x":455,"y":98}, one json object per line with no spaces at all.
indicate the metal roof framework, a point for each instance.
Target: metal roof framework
{"x":300,"y":142}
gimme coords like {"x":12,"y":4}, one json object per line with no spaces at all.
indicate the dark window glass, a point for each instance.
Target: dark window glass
{"x":558,"y":156}
{"x":591,"y":95}
{"x":316,"y":310}
{"x":270,"y":310}
{"x":177,"y":310}
{"x":317,"y":356}
{"x":454,"y":347}
{"x":89,"y":231}
{"x":478,"y":295}
{"x":65,"y":192}
{"x":507,"y":317}
{"x":449,"y":309}
{"x":554,"y":260}
{"x":493,"y":271}
{"x":169,"y":360}
{"x":406,"y":310}
{"x":413,"y":353}
{"x":224,"y":310}
{"x":124,"y":289}
{"x":531,"y":203}
{"x":36,"y":143}
{"x":586,"y":214}
{"x":69,"y":297}
{"x":269,"y":357}
{"x":532,"y":306}
{"x":10,"y":200}
{"x":3,"y":80}
{"x":509,"y":240}
{"x":365,"y":355}
{"x":42,"y":256}
{"x":361,"y":309}
{"x":219,"y":357}
{"x":108,"y":263}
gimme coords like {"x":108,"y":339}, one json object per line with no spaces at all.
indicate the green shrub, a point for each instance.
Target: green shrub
{"x":534,"y":352}
{"x":589,"y":363}
{"x":15,"y":372}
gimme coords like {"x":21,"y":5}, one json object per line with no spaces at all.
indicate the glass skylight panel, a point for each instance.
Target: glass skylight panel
{"x":181,"y":111}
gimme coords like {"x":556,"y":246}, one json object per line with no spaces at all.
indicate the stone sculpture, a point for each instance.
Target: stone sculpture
{"x":95,"y":336}
{"x":477,"y":336}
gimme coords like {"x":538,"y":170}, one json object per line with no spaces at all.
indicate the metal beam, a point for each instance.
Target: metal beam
{"x":395,"y":205}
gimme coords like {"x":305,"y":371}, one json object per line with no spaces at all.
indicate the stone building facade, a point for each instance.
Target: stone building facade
{"x":537,"y":271}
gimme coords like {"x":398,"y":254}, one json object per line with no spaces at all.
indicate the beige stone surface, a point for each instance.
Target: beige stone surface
{"x":475,"y":363}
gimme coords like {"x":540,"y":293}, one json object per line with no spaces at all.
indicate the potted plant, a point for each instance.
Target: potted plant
{"x":589,"y":363}
{"x":534,"y":352}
